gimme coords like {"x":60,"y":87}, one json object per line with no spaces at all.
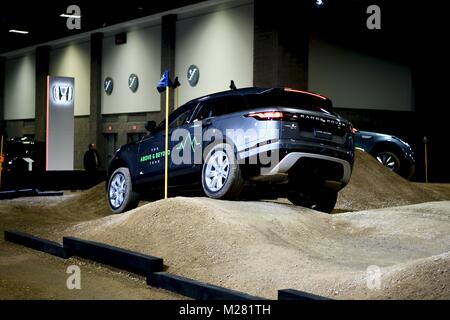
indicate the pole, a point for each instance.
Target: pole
{"x":426,"y":164}
{"x":166,"y":169}
{"x":1,"y":161}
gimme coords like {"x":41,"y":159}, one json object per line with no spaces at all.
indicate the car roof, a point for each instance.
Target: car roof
{"x":252,"y":91}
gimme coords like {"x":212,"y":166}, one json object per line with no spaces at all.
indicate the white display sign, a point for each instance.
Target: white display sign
{"x":60,"y":123}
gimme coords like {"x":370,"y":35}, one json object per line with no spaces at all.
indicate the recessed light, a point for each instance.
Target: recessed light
{"x":64,"y":15}
{"x":19,"y":31}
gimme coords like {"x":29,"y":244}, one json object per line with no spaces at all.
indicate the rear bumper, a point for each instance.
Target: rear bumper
{"x":302,"y":162}
{"x":292,"y":158}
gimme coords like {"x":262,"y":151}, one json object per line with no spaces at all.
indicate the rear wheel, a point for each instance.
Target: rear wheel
{"x":121,"y":196}
{"x":323,"y":200}
{"x":221,"y":174}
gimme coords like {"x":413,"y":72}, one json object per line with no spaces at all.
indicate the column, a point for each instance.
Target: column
{"x":42,"y":71}
{"x":2,"y":90}
{"x":95,"y":117}
{"x":281,"y":41}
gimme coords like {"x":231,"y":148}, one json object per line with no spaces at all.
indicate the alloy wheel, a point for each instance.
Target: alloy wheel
{"x":217,"y":171}
{"x":117,"y":190}
{"x":389,"y":160}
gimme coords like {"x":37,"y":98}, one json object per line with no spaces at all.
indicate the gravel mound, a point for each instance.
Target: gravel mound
{"x":374,"y":186}
{"x":260,"y":247}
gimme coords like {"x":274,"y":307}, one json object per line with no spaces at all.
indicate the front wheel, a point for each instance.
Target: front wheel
{"x":389,"y":159}
{"x":121,"y":196}
{"x":323,"y":200}
{"x":221,"y":174}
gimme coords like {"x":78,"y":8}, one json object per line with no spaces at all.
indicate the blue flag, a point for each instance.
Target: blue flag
{"x":164,"y":82}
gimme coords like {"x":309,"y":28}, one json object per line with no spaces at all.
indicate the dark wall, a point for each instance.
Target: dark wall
{"x":280,"y":50}
{"x":2,"y":89}
{"x":412,"y":34}
{"x":82,"y":140}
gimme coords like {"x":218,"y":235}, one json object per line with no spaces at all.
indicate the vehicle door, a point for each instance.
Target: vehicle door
{"x":151,"y":154}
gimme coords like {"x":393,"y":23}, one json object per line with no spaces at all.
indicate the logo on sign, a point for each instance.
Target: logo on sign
{"x":133,"y":82}
{"x":62,"y":94}
{"x":193,"y":75}
{"x":108,"y":85}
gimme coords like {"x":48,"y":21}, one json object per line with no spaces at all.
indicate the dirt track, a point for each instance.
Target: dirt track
{"x":27,"y":274}
{"x":372,"y":186}
{"x":259,"y":247}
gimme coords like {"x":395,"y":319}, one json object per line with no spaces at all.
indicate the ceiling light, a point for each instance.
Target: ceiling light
{"x":19,"y":31}
{"x":65,"y":15}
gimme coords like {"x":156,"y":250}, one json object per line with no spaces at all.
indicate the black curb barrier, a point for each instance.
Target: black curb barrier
{"x":195,"y":289}
{"x":142,"y":264}
{"x":36,"y":243}
{"x":13,"y":194}
{"x":49,"y":193}
{"x":113,"y":256}
{"x":292,"y":294}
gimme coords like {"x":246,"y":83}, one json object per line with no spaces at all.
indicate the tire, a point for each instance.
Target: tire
{"x":323,"y":200}
{"x":399,"y":164}
{"x":120,"y":194}
{"x":389,"y":159}
{"x":221,"y":174}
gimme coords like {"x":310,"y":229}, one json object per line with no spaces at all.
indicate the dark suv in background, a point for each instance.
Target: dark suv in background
{"x":391,"y":151}
{"x":274,"y":142}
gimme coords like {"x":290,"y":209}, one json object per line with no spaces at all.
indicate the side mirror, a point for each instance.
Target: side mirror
{"x":150,"y":126}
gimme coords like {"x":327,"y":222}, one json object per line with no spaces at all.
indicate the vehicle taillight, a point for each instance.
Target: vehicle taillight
{"x":306,"y":92}
{"x":269,"y":115}
{"x":353,"y":129}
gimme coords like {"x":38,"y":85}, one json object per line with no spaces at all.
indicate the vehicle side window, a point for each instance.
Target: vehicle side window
{"x":177,"y":117}
{"x":220,"y":106}
{"x":204,"y":113}
{"x":180,"y":120}
{"x":235,"y":104}
{"x":211,"y":108}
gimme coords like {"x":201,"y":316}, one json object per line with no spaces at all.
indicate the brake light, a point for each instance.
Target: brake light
{"x":269,"y":115}
{"x":352,"y":129}
{"x":305,"y":92}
